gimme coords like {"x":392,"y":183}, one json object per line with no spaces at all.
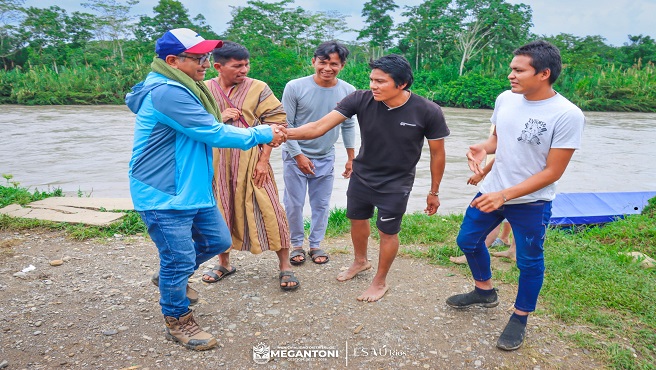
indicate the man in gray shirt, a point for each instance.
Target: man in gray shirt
{"x":308,"y":165}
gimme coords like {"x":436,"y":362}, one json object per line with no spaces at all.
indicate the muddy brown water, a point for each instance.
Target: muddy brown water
{"x":86,"y":149}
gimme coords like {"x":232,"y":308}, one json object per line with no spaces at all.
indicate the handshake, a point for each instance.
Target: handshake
{"x":279,"y":135}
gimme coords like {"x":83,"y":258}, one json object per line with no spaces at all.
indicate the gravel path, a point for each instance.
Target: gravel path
{"x":98,"y":310}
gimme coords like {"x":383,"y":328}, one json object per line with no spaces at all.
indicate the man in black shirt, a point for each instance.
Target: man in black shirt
{"x":393,"y":124}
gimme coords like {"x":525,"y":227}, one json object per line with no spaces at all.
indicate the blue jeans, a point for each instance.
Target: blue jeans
{"x":185,"y":239}
{"x":529,"y":223}
{"x":319,"y":188}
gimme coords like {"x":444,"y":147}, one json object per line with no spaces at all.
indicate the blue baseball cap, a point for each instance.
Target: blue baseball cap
{"x":184,"y":40}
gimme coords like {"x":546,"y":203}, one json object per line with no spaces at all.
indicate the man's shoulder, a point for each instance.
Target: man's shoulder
{"x":508,"y":94}
{"x":363,"y":93}
{"x":359,"y":96}
{"x":301,"y":81}
{"x":256,"y":82}
{"x":567,"y":105}
{"x":164,"y":86}
{"x":155,"y":78}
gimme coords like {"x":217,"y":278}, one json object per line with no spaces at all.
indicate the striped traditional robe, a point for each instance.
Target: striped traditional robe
{"x":255,"y":216}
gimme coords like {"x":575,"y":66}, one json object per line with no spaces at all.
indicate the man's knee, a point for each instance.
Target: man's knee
{"x":465,"y":242}
{"x":221,"y":244}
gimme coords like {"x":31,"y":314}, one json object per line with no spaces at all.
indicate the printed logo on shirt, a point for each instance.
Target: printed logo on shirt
{"x":532,"y":131}
{"x":407,"y":124}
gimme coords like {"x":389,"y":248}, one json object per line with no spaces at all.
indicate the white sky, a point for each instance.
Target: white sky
{"x":612,"y":19}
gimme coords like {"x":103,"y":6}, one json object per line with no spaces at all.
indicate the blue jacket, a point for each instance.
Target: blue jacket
{"x":171,"y":164}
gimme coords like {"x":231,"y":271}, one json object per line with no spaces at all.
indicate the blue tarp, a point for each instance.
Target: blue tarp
{"x":596,"y":208}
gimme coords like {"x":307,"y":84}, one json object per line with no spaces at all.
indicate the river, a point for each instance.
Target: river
{"x":85,"y":150}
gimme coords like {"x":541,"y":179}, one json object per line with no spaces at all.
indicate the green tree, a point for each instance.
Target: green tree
{"x":114,"y":21}
{"x":52,"y":33}
{"x":11,"y":14}
{"x":640,"y":50}
{"x":276,"y":22}
{"x":489,"y":24}
{"x":170,"y":14}
{"x":587,"y":52}
{"x":327,"y":25}
{"x":80,"y":28}
{"x":379,"y":25}
{"x":429,"y":30}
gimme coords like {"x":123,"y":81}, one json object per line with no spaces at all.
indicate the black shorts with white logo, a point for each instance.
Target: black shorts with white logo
{"x":361,"y":200}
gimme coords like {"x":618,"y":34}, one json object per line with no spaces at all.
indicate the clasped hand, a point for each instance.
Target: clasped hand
{"x":279,"y":135}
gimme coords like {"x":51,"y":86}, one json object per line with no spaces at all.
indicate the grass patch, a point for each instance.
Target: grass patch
{"x":589,"y":280}
{"x":606,"y":298}
{"x":131,"y":224}
{"x":13,"y":193}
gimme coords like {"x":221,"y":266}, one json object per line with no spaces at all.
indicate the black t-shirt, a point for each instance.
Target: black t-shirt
{"x":392,"y":139}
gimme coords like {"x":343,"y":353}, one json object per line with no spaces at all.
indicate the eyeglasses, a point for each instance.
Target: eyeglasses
{"x":201,"y":60}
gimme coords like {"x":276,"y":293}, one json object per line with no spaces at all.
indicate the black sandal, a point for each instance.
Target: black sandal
{"x":297,"y":253}
{"x":316,"y":253}
{"x":216,"y":278}
{"x":288,"y":277}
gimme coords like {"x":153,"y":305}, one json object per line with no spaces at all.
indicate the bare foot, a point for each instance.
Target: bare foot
{"x":461,"y":260}
{"x":355,"y":269}
{"x":373,"y":293}
{"x":507,"y":254}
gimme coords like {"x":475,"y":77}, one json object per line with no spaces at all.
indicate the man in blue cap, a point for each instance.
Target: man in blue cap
{"x":177,"y":125}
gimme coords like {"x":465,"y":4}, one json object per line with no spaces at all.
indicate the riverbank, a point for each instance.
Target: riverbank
{"x":595,"y":309}
{"x":89,"y":147}
{"x":99,"y":310}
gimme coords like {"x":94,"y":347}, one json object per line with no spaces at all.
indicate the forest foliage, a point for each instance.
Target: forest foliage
{"x":459,"y":50}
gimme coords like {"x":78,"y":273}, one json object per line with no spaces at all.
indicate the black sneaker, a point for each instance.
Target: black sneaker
{"x":512,"y":336}
{"x":473,"y":298}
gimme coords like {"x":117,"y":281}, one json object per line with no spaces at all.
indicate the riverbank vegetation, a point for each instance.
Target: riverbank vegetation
{"x":459,"y":49}
{"x":604,"y":297}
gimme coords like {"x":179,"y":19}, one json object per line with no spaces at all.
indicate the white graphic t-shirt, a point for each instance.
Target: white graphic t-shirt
{"x":526,"y":131}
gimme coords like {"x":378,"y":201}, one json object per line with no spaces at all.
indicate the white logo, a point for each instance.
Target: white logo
{"x":387,"y":219}
{"x":261,"y":353}
{"x":407,"y":124}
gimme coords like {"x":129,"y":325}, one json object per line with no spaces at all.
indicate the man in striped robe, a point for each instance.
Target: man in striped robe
{"x":244,"y":185}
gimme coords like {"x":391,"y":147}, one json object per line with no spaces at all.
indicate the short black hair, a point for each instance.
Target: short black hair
{"x":324,"y":50}
{"x":543,"y":56}
{"x":230,"y":50}
{"x":397,"y":67}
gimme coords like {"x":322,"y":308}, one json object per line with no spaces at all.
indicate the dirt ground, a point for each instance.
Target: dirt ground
{"x":98,"y":310}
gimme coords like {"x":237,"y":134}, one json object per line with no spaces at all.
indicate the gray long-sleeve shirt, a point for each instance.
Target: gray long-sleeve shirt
{"x":304,"y":101}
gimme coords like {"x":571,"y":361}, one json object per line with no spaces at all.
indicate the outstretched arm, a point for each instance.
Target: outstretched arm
{"x":317,"y":128}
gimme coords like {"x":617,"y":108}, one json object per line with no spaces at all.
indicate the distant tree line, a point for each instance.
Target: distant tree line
{"x":459,"y":49}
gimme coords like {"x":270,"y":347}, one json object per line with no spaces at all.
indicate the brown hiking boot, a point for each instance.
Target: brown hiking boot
{"x":185,"y":330}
